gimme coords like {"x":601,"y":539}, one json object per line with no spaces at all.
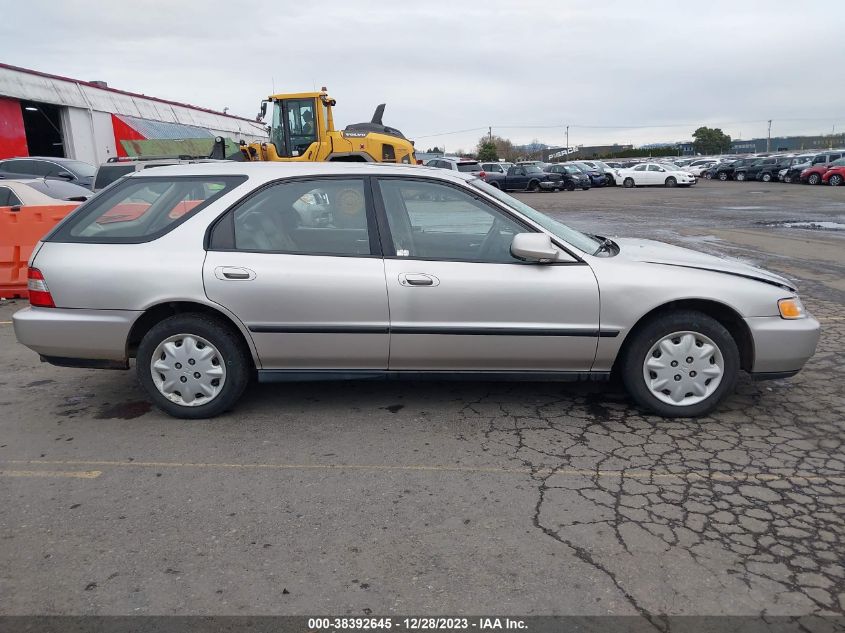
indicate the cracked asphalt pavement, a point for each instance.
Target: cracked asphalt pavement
{"x":463,"y":498}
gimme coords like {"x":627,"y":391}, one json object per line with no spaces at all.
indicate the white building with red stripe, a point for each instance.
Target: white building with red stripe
{"x":50,"y":115}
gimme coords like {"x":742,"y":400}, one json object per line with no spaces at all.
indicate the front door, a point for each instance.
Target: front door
{"x":298,"y":262}
{"x":460,"y":302}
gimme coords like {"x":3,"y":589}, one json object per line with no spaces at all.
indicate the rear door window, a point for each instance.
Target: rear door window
{"x":142,"y":209}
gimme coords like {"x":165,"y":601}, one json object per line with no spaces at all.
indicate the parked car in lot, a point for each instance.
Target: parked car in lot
{"x":114,"y":169}
{"x":725,"y":171}
{"x":665,"y":174}
{"x":763,"y":169}
{"x":66,"y":169}
{"x":819,"y":166}
{"x":496,"y":168}
{"x":792,"y":172}
{"x":573,"y":178}
{"x":214,"y":281}
{"x":604,"y":169}
{"x":525,"y":177}
{"x":699,"y":167}
{"x":41,"y":192}
{"x":464,"y":165}
{"x":835,"y":174}
{"x":597,"y":178}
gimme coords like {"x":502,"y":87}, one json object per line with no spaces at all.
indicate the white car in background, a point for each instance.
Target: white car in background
{"x":699,"y":167}
{"x":665,"y":174}
{"x":40,"y":192}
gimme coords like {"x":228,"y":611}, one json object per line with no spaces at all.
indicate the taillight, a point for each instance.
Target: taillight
{"x":482,"y":175}
{"x":39,"y":294}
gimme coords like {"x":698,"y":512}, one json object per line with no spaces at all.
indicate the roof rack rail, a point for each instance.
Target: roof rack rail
{"x":126,"y":159}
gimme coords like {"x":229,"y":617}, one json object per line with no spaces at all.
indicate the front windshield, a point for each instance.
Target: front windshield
{"x":569,"y":235}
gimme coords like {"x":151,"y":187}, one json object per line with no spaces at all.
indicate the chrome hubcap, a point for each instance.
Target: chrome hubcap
{"x":188,"y":370}
{"x":683,"y":368}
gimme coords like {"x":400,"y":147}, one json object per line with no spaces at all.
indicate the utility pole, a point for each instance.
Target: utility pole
{"x":769,"y":138}
{"x":567,"y":139}
{"x":490,"y":133}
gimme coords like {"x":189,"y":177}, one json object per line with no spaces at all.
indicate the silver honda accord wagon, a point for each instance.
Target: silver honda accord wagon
{"x":210,"y":275}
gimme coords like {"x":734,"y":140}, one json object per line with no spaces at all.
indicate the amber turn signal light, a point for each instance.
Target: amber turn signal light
{"x":791,"y":308}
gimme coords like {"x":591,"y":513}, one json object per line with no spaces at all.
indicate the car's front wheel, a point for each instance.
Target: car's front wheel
{"x":192,"y":366}
{"x":671,"y":181}
{"x":680,"y":364}
{"x":814,"y":179}
{"x":767,"y":177}
{"x":628,"y":182}
{"x":723,"y":176}
{"x":835,"y":180}
{"x":740,"y":176}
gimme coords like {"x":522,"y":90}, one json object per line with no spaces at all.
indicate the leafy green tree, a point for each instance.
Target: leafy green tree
{"x":487,"y":151}
{"x":711,"y":140}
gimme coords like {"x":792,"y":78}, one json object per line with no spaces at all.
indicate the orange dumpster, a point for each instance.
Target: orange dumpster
{"x":20,"y":230}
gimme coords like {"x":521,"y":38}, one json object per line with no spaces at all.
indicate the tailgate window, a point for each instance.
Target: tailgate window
{"x":141,"y":209}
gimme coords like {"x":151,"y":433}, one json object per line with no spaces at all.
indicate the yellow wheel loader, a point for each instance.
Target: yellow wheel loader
{"x":302,"y":129}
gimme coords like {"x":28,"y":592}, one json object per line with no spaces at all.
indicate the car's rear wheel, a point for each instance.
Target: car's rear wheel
{"x":740,"y":176}
{"x":708,"y":175}
{"x":814,"y":179}
{"x":671,"y":181}
{"x":681,"y":364}
{"x":494,"y":184}
{"x":723,"y":176}
{"x":628,"y":182}
{"x":787,"y":179}
{"x":611,"y":181}
{"x":534,"y":186}
{"x":192,"y":366}
{"x":835,"y":180}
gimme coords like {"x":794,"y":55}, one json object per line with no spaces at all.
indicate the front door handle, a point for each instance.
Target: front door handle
{"x":418,"y":279}
{"x":234,"y":273}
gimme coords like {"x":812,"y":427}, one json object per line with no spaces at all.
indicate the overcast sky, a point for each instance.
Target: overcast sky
{"x":613,"y":71}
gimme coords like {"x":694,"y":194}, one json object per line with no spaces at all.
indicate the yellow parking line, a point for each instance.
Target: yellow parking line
{"x":571,"y":472}
{"x":76,"y":474}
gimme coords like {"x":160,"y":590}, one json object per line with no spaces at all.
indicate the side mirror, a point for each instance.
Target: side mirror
{"x":535,"y":247}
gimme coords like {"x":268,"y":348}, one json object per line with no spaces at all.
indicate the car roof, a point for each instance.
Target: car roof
{"x":271,"y":170}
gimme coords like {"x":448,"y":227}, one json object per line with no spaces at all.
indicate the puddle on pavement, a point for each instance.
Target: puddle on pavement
{"x":124,"y":410}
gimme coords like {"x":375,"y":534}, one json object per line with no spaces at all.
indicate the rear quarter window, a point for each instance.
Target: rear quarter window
{"x":107,"y":174}
{"x":141,"y":209}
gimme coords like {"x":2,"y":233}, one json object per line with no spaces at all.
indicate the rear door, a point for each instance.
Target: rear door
{"x":299,"y":262}
{"x":460,"y":302}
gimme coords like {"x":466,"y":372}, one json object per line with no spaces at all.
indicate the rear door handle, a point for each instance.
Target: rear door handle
{"x":418,"y":279}
{"x":234,"y":273}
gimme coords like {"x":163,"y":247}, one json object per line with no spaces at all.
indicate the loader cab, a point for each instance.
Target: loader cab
{"x":296,"y":125}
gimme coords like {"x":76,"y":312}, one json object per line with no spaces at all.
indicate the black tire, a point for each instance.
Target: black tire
{"x":814,"y":179}
{"x":585,"y":188}
{"x":671,"y":181}
{"x":767,"y":177}
{"x":835,"y":180}
{"x":787,"y":179}
{"x":723,"y":176}
{"x":570,"y":186}
{"x":660,"y":326}
{"x":611,"y":181}
{"x":740,"y":176}
{"x":534,"y":186}
{"x":708,"y":175}
{"x":628,"y":183}
{"x":231,"y":348}
{"x":494,"y":184}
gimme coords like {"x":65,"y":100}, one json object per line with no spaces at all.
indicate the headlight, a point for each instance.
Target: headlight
{"x":791,"y":308}
{"x":782,"y":172}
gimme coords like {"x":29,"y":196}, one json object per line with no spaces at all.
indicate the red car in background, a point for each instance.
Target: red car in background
{"x":813,"y":175}
{"x":835,"y":175}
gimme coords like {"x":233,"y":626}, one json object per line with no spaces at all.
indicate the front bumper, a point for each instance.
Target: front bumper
{"x":75,"y":335}
{"x":782,"y":345}
{"x":551,"y":184}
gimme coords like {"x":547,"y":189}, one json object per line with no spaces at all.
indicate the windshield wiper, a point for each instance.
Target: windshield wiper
{"x":606,"y":244}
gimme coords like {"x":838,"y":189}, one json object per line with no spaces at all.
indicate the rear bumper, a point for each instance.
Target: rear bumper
{"x":782,"y":346}
{"x":80,"y":335}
